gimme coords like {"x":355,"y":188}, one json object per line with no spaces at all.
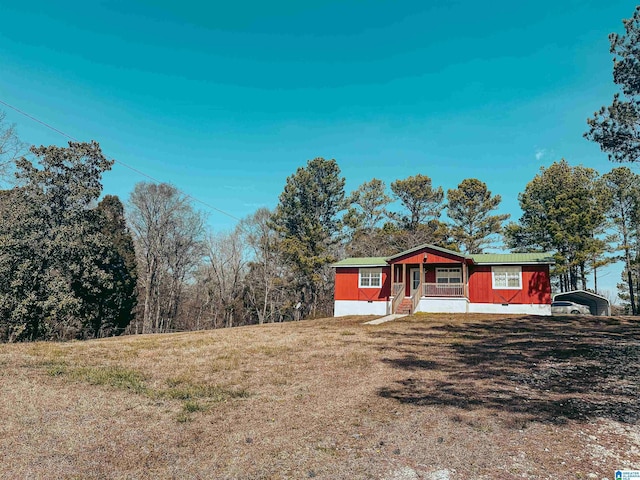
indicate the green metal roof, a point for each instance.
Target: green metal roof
{"x":362,"y":262}
{"x":478,"y":258}
{"x":515,"y":258}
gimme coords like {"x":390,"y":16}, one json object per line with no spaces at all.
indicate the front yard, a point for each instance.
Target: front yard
{"x":472,"y":396}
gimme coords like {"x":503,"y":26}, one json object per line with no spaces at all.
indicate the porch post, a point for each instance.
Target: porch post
{"x":421,"y":278}
{"x":404,"y":278}
{"x":465,"y":279}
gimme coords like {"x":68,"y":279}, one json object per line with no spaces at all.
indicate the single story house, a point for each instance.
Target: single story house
{"x":428,"y":278}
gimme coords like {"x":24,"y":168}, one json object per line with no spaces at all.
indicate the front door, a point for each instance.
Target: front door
{"x":414,"y":280}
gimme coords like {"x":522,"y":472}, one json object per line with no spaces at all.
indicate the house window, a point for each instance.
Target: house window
{"x":448,"y":275}
{"x":506,"y":278}
{"x":370,"y":277}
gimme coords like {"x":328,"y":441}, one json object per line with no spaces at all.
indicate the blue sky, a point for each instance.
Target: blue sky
{"x":226,"y":100}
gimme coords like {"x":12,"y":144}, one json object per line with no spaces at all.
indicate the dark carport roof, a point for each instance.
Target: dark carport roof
{"x":597,"y":303}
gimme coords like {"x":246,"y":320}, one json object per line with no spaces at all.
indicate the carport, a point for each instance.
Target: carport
{"x":597,"y":304}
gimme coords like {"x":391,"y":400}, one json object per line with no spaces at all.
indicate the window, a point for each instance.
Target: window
{"x":448,"y":275}
{"x":370,"y":277}
{"x":507,"y":278}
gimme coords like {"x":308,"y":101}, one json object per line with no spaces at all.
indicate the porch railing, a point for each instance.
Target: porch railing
{"x":442,"y":290}
{"x":415,"y":300}
{"x":397,"y":289}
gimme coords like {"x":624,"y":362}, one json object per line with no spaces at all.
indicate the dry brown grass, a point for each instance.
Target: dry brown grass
{"x":480,"y":396}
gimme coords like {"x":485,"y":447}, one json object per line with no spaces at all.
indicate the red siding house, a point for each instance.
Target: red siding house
{"x":433,"y":279}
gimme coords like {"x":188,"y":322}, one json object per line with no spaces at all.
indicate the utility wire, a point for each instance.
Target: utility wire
{"x":133,"y":169}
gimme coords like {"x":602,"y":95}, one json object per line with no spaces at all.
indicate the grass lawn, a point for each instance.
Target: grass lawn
{"x":428,"y":396}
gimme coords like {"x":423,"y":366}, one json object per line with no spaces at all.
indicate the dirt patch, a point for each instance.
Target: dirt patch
{"x":427,"y":396}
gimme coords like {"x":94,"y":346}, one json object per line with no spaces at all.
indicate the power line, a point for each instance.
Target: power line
{"x":133,"y":169}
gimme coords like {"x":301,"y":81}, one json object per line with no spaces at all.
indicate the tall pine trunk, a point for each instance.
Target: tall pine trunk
{"x":627,"y":260}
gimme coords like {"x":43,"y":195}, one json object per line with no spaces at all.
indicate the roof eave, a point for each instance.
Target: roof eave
{"x":433,"y":247}
{"x":359,"y":265}
{"x":516,"y":263}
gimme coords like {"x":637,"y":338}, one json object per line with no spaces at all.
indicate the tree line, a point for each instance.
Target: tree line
{"x":73,"y":267}
{"x":76,"y":264}
{"x":275,"y":265}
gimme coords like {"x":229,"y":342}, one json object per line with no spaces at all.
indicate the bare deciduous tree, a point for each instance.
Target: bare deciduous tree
{"x":266,"y":273}
{"x":226,"y":271}
{"x":11,"y":148}
{"x":168,"y":234}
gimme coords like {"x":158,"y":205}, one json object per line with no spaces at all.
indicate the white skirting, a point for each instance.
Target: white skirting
{"x":443,"y":305}
{"x":511,"y":308}
{"x":438,"y":305}
{"x":359,"y":307}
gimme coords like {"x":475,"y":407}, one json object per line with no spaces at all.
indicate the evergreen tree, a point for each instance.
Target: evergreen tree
{"x":57,"y":264}
{"x":563,"y":211}
{"x":469,"y":207}
{"x":306,"y":219}
{"x":118,"y":300}
{"x":617,"y":127}
{"x":420,"y":199}
{"x":623,"y":195}
{"x":368,"y":208}
{"x":419,"y":223}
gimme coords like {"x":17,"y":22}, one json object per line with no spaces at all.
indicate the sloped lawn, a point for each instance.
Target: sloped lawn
{"x":429,"y":396}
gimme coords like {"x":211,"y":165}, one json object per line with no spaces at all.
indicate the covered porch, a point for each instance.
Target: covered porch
{"x":413,"y":283}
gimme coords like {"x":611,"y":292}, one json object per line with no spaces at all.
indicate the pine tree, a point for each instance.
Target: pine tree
{"x":563,"y":211}
{"x":307,"y":221}
{"x":469,"y":207}
{"x":419,"y":198}
{"x":368,"y":208}
{"x":617,"y":127}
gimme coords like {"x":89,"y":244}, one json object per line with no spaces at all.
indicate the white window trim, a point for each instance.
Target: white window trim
{"x":448,"y":270}
{"x":506,"y":269}
{"x":370,"y":276}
